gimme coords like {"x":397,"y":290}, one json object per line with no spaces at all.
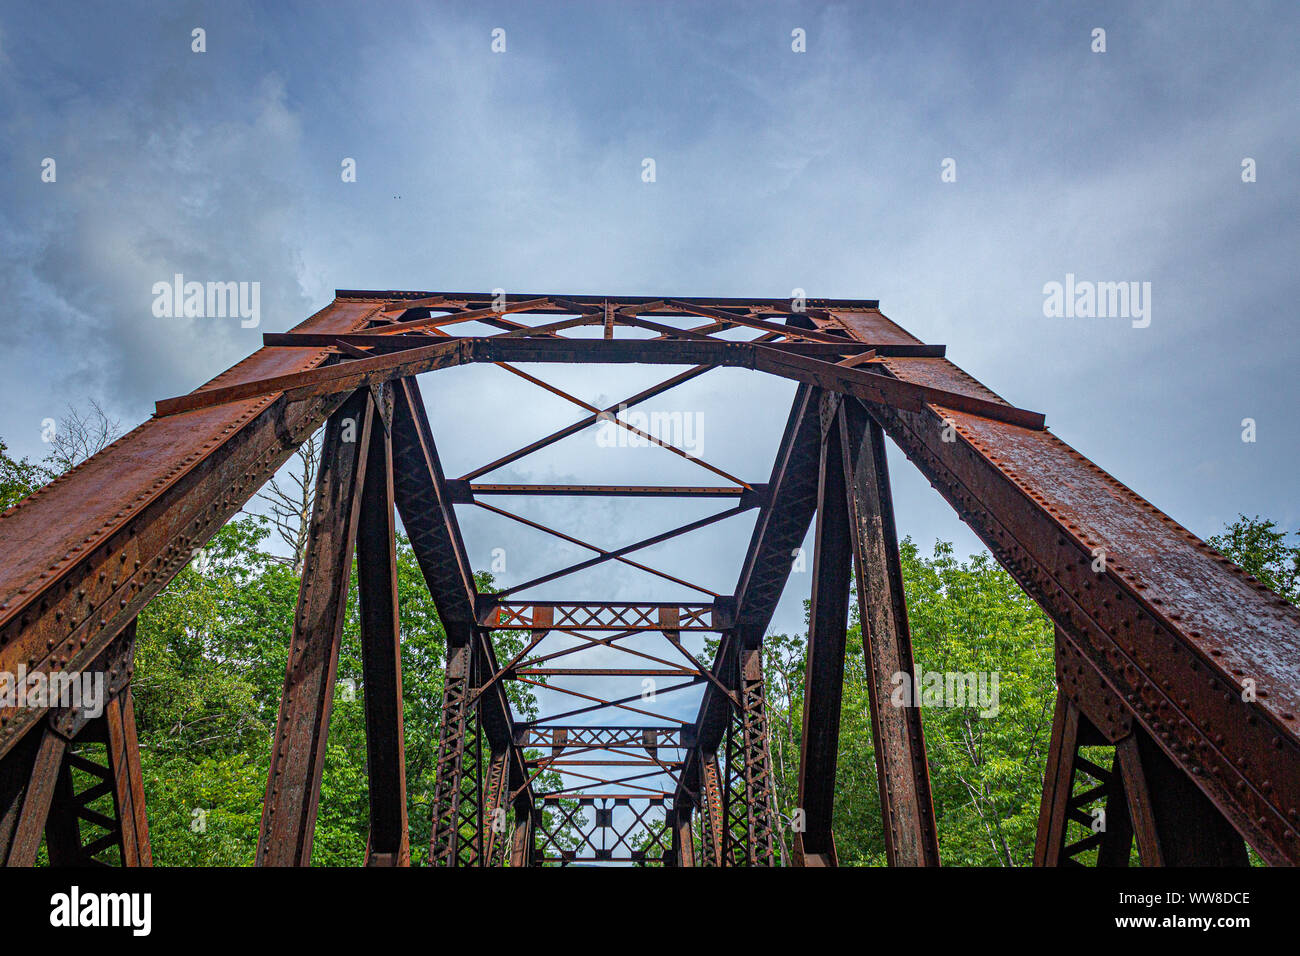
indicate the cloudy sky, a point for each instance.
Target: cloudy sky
{"x":775,"y":170}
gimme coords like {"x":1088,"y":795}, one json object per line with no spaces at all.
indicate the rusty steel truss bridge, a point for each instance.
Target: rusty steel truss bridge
{"x":1158,"y":647}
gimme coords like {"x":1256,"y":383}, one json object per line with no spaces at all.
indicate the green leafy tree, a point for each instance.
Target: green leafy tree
{"x":986,"y":769}
{"x":210,"y":661}
{"x":18,"y":478}
{"x":1260,"y":549}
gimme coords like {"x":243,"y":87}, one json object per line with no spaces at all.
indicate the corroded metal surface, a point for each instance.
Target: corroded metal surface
{"x":1187,"y":667}
{"x":85,"y":553}
{"x":1173,"y":626}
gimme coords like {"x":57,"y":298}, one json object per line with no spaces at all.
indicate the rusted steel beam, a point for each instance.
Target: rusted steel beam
{"x":1058,"y":784}
{"x":603,"y":615}
{"x":617,"y":422}
{"x":566,"y":431}
{"x":619,"y":555}
{"x":42,"y":796}
{"x":748,"y":835}
{"x":1173,"y":628}
{"x":425,"y":506}
{"x":587,"y":799}
{"x":613,"y":750}
{"x":644,"y":304}
{"x":635,"y":762}
{"x":366,"y":344}
{"x":605,"y":734}
{"x":590,"y":783}
{"x":123,"y":752}
{"x":497,"y":813}
{"x":1148,"y":797}
{"x":359,"y":373}
{"x":388,"y":843}
{"x":710,"y":807}
{"x":857,"y":382}
{"x":1137,"y":792}
{"x":812,"y":335}
{"x":603,"y":856}
{"x":683,"y":845}
{"x":378,"y":342}
{"x":456,"y":831}
{"x":547,"y":329}
{"x":106,"y":759}
{"x":504,"y":672}
{"x":609,"y":641}
{"x":85,"y":553}
{"x":1089,"y":715}
{"x":784,"y":520}
{"x":522,"y":841}
{"x":437,"y":301}
{"x":665,"y":331}
{"x":30,"y":806}
{"x":1121,"y":797}
{"x":464,"y":492}
{"x":15,"y":777}
{"x":827,"y":633}
{"x":907,"y":807}
{"x":298,"y":747}
{"x":1189,"y":829}
{"x":608,"y":671}
{"x":601,"y":703}
{"x":63,"y":841}
{"x":325,"y":380}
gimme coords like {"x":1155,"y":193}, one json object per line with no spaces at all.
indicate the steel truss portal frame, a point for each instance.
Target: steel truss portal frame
{"x":1154,"y":643}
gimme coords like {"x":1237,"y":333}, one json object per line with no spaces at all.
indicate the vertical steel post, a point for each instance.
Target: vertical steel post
{"x":127,"y":780}
{"x":381,"y":653}
{"x":814,"y":843}
{"x":32,"y":806}
{"x":712,"y":819}
{"x":457,"y":836}
{"x":907,"y":807}
{"x":523,"y":839}
{"x":496,"y":811}
{"x":683,"y":846}
{"x":298,"y":748}
{"x":747,"y":836}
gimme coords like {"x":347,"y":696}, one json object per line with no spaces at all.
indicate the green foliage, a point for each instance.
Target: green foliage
{"x":986,"y":772}
{"x":1259,"y":548}
{"x":204,"y":811}
{"x":18,"y":478}
{"x":211,"y":653}
{"x":210,"y":661}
